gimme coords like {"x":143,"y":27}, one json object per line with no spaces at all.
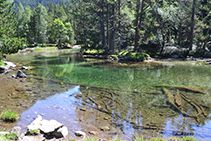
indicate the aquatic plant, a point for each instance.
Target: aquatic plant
{"x":9,"y":116}
{"x":33,"y":132}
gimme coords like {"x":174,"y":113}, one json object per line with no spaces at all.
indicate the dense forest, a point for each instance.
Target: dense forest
{"x":33,"y":3}
{"x":112,"y":25}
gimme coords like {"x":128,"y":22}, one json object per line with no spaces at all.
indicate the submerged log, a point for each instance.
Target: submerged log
{"x":180,"y":109}
{"x":178,"y":99}
{"x":196,"y":89}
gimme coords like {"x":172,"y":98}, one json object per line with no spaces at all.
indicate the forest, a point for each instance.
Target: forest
{"x":112,"y":25}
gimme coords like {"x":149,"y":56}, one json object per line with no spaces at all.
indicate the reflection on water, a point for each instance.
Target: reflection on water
{"x":123,"y":99}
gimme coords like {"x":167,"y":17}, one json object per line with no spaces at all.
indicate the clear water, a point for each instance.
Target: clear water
{"x":90,"y":95}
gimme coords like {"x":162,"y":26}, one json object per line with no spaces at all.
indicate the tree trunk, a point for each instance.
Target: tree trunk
{"x":137,"y":25}
{"x":192,"y":26}
{"x":139,"y":21}
{"x":102,"y":27}
{"x":112,"y":29}
{"x":119,"y":26}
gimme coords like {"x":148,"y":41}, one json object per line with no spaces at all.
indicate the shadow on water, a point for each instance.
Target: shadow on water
{"x":159,"y":100}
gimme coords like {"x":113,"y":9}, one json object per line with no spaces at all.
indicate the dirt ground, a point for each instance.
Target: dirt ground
{"x":12,"y":95}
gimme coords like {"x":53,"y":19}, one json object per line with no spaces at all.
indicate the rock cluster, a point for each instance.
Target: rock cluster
{"x":49,"y":128}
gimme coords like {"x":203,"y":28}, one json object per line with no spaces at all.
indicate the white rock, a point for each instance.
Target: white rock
{"x":36,"y":124}
{"x":9,"y":65}
{"x":49,"y":126}
{"x":61,"y":132}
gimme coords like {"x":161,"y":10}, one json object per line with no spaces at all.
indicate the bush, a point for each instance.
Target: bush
{"x":133,"y":56}
{"x":9,"y":116}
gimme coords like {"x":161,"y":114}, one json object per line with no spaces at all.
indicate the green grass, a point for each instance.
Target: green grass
{"x":9,"y":116}
{"x":2,"y":64}
{"x":38,"y":48}
{"x":9,"y":137}
{"x":33,"y":132}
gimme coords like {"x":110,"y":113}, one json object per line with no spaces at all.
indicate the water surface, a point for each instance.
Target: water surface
{"x":90,"y":95}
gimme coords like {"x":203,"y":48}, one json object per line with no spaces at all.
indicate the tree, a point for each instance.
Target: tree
{"x":8,"y":42}
{"x":61,"y":33}
{"x":38,"y":25}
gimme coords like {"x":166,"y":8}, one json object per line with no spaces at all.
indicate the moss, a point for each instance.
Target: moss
{"x":9,"y":116}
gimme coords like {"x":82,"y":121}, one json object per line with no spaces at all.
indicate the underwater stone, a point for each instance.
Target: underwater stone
{"x":105,"y":128}
{"x":80,"y":133}
{"x":20,"y":74}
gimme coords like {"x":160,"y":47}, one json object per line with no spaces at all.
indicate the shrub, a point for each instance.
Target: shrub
{"x":9,"y":116}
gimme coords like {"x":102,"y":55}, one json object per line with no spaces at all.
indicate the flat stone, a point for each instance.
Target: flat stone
{"x":49,"y":126}
{"x":35,"y":125}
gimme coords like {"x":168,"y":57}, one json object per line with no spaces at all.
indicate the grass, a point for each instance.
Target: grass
{"x":2,"y":64}
{"x":9,"y":137}
{"x":42,"y":48}
{"x":33,"y":132}
{"x":9,"y":116}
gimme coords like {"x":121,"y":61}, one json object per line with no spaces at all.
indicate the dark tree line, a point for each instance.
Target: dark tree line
{"x":113,"y":25}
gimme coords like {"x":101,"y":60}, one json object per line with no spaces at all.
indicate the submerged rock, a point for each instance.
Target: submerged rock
{"x":105,"y":128}
{"x":80,"y":134}
{"x":24,"y":68}
{"x":20,"y":74}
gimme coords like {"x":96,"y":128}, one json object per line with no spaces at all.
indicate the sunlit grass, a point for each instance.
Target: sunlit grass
{"x":9,"y":116}
{"x":2,"y":64}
